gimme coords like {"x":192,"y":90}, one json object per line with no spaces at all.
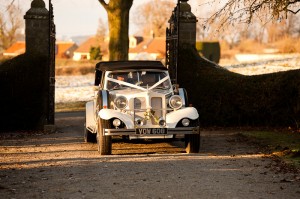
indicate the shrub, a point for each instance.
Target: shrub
{"x":24,"y":92}
{"x":75,"y":70}
{"x":95,"y":53}
{"x":224,"y":98}
{"x":250,"y":46}
{"x":211,"y":50}
{"x":288,"y":45}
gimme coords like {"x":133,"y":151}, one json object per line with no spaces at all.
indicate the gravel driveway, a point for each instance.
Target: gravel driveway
{"x":60,"y":165}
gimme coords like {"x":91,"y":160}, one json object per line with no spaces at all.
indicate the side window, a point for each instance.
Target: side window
{"x":102,"y":80}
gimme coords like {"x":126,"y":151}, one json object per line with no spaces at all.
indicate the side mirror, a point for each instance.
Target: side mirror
{"x":176,"y":88}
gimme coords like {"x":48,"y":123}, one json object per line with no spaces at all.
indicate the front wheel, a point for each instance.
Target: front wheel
{"x":104,"y":142}
{"x":192,"y":143}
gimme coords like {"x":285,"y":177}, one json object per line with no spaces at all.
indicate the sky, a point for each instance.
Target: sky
{"x":80,"y":17}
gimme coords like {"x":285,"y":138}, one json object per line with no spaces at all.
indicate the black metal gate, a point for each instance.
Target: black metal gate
{"x":172,"y":44}
{"x":51,"y":98}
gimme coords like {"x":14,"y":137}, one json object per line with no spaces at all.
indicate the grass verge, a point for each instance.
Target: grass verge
{"x":285,"y":145}
{"x":70,"y":106}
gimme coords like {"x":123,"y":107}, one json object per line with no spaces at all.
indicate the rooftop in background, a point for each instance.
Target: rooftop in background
{"x":63,"y":49}
{"x":151,"y":45}
{"x":16,"y":49}
{"x":92,"y":42}
{"x":149,"y":49}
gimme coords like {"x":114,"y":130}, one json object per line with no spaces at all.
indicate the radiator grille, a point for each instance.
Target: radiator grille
{"x":156,"y":103}
{"x":139,"y":103}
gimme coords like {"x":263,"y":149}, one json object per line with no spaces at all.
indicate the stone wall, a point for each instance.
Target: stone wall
{"x":22,"y":93}
{"x":24,"y":80}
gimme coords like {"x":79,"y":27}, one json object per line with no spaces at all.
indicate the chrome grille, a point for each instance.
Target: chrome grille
{"x":139,"y":103}
{"x":140,"y":109}
{"x":156,"y":103}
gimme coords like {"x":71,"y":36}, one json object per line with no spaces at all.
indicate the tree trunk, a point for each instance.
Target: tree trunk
{"x":118,"y":19}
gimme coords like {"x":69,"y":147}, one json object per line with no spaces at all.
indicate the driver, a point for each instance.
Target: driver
{"x":130,"y":78}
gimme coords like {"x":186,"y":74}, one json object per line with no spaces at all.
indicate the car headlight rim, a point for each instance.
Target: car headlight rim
{"x":162,"y":122}
{"x":185,"y":122}
{"x":138,"y":122}
{"x":175,"y":102}
{"x":117,"y":122}
{"x":121,"y":102}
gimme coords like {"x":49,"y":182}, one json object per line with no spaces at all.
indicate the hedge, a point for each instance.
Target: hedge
{"x":224,"y":98}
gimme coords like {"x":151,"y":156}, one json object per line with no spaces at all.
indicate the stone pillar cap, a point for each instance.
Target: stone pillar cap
{"x":185,"y":7}
{"x":38,"y":4}
{"x":38,"y":8}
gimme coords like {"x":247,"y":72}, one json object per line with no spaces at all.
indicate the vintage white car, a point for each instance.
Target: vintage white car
{"x":136,"y":100}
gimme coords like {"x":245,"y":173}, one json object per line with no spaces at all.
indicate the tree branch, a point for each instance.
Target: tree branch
{"x":11,"y":3}
{"x":294,"y":12}
{"x":104,"y":4}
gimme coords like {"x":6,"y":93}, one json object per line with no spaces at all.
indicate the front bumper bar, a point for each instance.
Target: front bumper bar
{"x":170,"y":131}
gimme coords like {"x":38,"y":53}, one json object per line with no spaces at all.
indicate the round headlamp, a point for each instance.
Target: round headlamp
{"x":162,"y":122}
{"x":138,"y":122}
{"x":175,"y":102}
{"x":116,"y":122}
{"x":185,"y":122}
{"x":121,"y":102}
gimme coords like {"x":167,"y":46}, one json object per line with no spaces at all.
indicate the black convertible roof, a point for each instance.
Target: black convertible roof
{"x":125,"y":65}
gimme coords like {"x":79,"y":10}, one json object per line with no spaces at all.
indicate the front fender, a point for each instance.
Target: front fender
{"x":174,"y":117}
{"x":108,"y":114}
{"x":90,"y":120}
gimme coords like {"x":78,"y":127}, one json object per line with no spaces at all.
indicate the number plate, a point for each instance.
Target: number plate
{"x":151,"y":131}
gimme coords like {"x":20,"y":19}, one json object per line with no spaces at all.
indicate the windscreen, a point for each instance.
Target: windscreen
{"x":138,"y":79}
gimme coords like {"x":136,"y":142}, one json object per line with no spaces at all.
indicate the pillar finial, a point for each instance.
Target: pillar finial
{"x":38,"y":4}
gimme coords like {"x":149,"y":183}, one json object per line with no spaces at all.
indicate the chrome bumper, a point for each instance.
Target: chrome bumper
{"x":170,"y":131}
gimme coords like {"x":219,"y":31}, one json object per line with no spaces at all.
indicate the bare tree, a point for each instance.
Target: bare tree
{"x":101,"y":30}
{"x":11,"y":23}
{"x":153,"y":16}
{"x":290,"y":26}
{"x":118,"y":19}
{"x":233,"y":11}
{"x":283,"y":29}
{"x":244,"y":11}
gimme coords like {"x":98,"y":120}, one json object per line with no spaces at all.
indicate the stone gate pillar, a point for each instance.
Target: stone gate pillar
{"x":40,"y":42}
{"x":187,"y":24}
{"x":181,"y":31}
{"x":37,"y":28}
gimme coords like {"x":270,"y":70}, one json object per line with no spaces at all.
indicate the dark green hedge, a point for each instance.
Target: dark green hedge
{"x":209,"y":49}
{"x":228,"y":99}
{"x":23,"y":90}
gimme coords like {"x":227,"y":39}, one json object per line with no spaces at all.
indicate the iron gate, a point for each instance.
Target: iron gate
{"x":172,"y":43}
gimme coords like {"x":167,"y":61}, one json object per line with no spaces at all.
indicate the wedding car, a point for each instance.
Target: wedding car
{"x":136,"y":100}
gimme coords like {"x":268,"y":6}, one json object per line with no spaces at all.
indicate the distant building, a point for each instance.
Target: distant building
{"x":134,"y":41}
{"x":15,"y":49}
{"x":149,"y":49}
{"x":83,"y":51}
{"x":64,"y":50}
